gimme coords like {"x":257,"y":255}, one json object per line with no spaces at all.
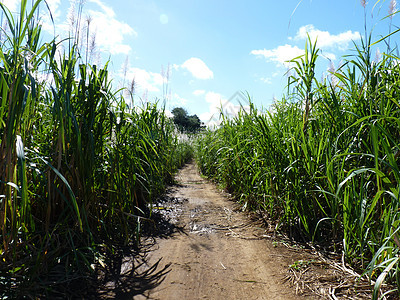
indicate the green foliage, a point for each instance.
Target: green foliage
{"x":185,"y":123}
{"x":323,"y":162}
{"x":78,"y":168}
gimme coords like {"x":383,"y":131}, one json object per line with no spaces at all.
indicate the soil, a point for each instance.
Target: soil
{"x":206,"y":247}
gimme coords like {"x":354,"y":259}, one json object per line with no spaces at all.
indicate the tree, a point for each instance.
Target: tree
{"x":184,"y":122}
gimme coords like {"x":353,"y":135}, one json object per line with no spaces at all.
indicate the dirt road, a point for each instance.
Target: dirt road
{"x":217,"y":253}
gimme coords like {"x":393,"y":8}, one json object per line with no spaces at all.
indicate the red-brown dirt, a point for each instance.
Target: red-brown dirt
{"x":206,"y":247}
{"x":219,"y":253}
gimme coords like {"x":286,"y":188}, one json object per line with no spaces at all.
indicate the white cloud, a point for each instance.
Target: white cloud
{"x":12,"y":5}
{"x":177,"y":100}
{"x":110,"y":32}
{"x":280,"y":55}
{"x":325,"y":39}
{"x":329,"y":55}
{"x":197,"y":68}
{"x":214,"y":98}
{"x":199,"y":92}
{"x":216,"y":103}
{"x":266,"y":80}
{"x":144,"y":80}
{"x":211,"y":117}
{"x":107,"y":10}
{"x":46,"y":16}
{"x":53,"y":5}
{"x":275,"y":74}
{"x":168,"y":113}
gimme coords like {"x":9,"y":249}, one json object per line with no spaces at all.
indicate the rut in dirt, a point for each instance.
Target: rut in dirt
{"x":213,"y":250}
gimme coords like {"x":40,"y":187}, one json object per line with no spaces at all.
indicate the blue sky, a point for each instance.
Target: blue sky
{"x":215,"y":48}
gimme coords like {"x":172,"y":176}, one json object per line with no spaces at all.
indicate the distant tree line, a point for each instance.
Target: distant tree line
{"x":186,"y":123}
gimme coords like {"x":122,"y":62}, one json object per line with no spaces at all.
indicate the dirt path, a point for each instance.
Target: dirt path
{"x":217,"y":253}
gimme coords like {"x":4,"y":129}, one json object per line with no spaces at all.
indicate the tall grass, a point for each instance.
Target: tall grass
{"x":323,"y":162}
{"x":78,"y":167}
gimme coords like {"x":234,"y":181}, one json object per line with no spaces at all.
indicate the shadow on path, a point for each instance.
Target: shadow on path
{"x":128,"y":273}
